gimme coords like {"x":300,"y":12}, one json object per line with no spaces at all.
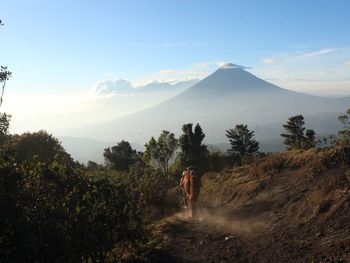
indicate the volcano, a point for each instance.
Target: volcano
{"x":229,"y":96}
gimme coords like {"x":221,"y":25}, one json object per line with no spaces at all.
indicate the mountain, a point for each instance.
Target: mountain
{"x":229,"y":96}
{"x":123,"y":87}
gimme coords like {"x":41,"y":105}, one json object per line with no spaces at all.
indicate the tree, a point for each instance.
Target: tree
{"x":39,"y":146}
{"x":160,"y":153}
{"x":4,"y":118}
{"x":4,"y":76}
{"x":242,"y":142}
{"x":295,"y":138}
{"x":4,"y":127}
{"x":193,"y":152}
{"x":121,"y":156}
{"x":344,"y":134}
{"x":310,"y":139}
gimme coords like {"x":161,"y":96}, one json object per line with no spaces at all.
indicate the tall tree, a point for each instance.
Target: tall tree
{"x":242,"y":142}
{"x":4,"y":118}
{"x":4,"y":76}
{"x":294,"y":137}
{"x":161,"y":152}
{"x":193,"y":152}
{"x":121,"y":156}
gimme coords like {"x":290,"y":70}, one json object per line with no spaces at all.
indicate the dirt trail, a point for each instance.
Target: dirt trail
{"x":290,"y":207}
{"x":205,"y":239}
{"x":213,"y":238}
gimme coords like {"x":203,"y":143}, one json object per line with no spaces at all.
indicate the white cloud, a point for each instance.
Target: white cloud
{"x":195,"y":71}
{"x":317,"y":53}
{"x":113,"y":87}
{"x":271,"y":61}
{"x":285,"y":57}
{"x":320,"y":72}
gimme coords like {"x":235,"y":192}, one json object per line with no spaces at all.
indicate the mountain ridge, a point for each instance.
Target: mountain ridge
{"x":227,"y":97}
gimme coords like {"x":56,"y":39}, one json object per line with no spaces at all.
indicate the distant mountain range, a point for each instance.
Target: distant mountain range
{"x":229,"y":96}
{"x":123,"y":87}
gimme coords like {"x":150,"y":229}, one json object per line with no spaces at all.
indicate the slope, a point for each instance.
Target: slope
{"x":288,"y":207}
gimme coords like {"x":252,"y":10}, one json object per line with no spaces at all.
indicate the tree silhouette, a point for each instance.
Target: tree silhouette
{"x":242,"y":142}
{"x":295,"y":138}
{"x":121,"y":156}
{"x":193,"y":152}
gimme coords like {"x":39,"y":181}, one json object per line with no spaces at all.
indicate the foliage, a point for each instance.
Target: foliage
{"x":4,"y":127}
{"x":217,"y":160}
{"x":93,"y":166}
{"x":54,"y":213}
{"x":310,"y":139}
{"x":4,"y":76}
{"x":160,"y":153}
{"x":295,"y":136}
{"x":344,"y":134}
{"x":121,"y":156}
{"x":193,"y":152}
{"x":39,"y":146}
{"x":242,"y":142}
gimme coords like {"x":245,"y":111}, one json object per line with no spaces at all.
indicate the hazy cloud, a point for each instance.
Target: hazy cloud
{"x":113,"y":87}
{"x":320,"y":72}
{"x":317,"y":53}
{"x":285,"y":58}
{"x":271,"y":61}
{"x":195,"y":71}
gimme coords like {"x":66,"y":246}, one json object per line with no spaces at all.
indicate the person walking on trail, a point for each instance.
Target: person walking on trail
{"x":190,"y":184}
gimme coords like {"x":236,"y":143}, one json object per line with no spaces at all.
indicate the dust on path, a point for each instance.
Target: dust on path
{"x":214,"y":238}
{"x":208,"y":238}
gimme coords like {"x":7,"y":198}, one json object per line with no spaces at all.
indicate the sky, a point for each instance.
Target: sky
{"x":61,"y":51}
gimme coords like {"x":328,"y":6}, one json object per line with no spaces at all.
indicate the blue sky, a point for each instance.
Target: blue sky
{"x":64,"y":47}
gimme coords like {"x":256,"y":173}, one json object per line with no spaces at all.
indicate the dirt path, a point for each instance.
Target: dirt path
{"x":212,"y":238}
{"x":198,"y":241}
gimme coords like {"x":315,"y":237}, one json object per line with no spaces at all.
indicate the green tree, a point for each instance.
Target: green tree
{"x":121,"y":156}
{"x":40,"y":146}
{"x":4,"y":127}
{"x":159,"y":153}
{"x":242,"y":142}
{"x":344,"y":134}
{"x":193,"y":152}
{"x":295,"y":136}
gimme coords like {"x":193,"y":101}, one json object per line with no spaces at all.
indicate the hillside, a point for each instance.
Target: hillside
{"x":289,"y":207}
{"x":228,"y":96}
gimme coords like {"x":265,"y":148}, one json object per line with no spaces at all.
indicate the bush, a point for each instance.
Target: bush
{"x":56,"y":213}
